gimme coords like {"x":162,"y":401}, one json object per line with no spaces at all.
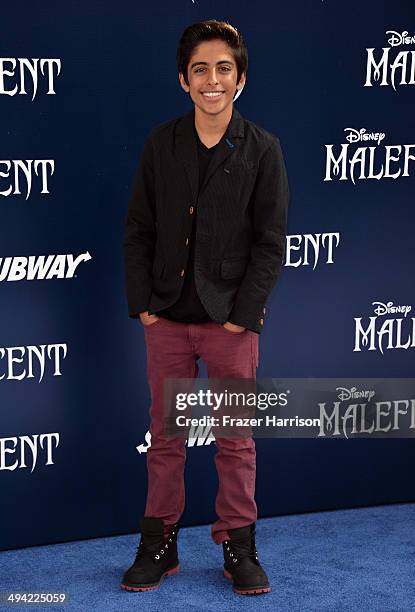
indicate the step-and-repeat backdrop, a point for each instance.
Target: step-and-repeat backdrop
{"x":81,"y":86}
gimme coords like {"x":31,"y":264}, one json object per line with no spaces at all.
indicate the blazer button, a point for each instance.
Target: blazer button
{"x":261,"y":321}
{"x":182,"y":273}
{"x":191,"y":209}
{"x":264,"y":310}
{"x":187,"y":241}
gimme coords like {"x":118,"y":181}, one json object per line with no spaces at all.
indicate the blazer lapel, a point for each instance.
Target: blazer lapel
{"x":186,"y":148}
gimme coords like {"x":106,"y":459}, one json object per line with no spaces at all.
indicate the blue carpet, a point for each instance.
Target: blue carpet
{"x":360,"y":559}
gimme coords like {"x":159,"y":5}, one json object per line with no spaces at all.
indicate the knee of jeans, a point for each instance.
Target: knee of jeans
{"x":160,"y":441}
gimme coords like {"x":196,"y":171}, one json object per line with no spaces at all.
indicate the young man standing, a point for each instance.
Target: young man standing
{"x":204,"y":244}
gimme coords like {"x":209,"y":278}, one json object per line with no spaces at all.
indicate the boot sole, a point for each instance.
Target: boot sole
{"x":139,"y":588}
{"x":251,"y":591}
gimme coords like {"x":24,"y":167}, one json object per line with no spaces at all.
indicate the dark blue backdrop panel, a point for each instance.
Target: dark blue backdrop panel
{"x":117,"y":80}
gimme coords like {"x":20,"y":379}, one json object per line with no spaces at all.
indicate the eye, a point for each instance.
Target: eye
{"x":224,"y":68}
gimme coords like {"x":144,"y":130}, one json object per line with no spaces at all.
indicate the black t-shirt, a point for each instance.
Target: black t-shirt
{"x":189,"y":308}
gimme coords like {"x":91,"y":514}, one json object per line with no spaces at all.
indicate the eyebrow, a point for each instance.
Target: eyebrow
{"x":206,"y":64}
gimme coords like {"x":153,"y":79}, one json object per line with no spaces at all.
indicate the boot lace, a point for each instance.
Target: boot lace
{"x":151,"y":545}
{"x":242,"y":547}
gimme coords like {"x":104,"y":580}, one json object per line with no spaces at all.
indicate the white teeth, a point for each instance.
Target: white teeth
{"x":212,"y":94}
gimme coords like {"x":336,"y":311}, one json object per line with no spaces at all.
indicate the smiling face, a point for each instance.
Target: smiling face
{"x":212,"y":74}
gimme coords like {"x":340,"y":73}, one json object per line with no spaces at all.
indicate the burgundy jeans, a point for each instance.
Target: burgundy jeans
{"x":172,"y":352}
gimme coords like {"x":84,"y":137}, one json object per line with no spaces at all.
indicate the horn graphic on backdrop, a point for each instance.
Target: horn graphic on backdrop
{"x":238,"y":93}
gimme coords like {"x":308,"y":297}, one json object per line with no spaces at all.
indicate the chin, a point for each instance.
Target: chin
{"x":214,"y":108}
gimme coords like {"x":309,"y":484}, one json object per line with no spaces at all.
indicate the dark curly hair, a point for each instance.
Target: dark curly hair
{"x":211,"y":30}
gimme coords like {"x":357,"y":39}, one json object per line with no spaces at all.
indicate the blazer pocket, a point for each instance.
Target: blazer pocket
{"x":234,"y":268}
{"x":158,"y":267}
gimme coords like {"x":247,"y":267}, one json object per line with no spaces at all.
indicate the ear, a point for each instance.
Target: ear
{"x":183,"y":83}
{"x":242,"y":81}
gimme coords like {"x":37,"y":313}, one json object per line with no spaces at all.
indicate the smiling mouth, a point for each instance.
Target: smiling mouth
{"x":212,"y":94}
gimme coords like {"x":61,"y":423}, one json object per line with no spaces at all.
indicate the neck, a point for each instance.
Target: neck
{"x":213,"y":125}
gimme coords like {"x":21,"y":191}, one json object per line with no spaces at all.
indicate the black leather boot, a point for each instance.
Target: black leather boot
{"x":241,"y":562}
{"x":156,"y":556}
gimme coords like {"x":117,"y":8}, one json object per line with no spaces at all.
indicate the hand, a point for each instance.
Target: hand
{"x":237,"y":329}
{"x":148,"y":319}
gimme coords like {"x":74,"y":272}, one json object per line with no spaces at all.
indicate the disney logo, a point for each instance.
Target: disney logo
{"x":357,"y":135}
{"x":389,"y":308}
{"x":400,"y":39}
{"x":353,"y":393}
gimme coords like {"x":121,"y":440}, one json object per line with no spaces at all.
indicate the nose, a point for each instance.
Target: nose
{"x":212,"y":77}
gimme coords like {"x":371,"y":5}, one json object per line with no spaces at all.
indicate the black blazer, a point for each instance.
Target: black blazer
{"x":240,"y":224}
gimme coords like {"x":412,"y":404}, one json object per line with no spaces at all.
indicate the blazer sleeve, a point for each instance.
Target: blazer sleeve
{"x":140,"y":235}
{"x":270,"y":208}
